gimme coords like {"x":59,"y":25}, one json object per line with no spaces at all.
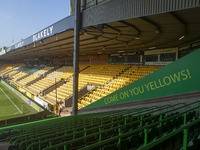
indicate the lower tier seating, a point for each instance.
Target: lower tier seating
{"x":172,"y":126}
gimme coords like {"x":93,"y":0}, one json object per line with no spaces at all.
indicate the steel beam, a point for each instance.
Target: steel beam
{"x":76,"y":58}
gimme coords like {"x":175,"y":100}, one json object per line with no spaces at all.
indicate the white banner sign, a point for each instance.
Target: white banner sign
{"x":41,"y":102}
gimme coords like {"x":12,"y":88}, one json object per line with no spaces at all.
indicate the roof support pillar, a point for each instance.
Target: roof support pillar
{"x":76,"y":58}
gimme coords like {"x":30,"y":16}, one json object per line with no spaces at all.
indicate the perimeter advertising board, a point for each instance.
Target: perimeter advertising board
{"x":41,"y":102}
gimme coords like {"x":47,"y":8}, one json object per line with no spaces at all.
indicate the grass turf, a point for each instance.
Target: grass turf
{"x":11,"y":105}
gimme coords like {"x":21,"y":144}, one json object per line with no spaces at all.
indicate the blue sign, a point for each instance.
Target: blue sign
{"x":58,"y":27}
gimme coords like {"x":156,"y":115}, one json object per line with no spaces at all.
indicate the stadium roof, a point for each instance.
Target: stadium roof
{"x":166,"y":30}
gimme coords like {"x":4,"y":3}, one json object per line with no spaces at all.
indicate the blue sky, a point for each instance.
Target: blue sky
{"x":20,"y":19}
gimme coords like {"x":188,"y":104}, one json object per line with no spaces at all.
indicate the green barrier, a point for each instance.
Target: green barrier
{"x":179,"y":77}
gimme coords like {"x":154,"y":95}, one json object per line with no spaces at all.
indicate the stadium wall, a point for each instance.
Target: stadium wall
{"x":179,"y":77}
{"x":89,"y":59}
{"x":24,"y":98}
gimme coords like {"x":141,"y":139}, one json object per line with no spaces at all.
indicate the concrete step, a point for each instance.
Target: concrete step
{"x":4,"y":145}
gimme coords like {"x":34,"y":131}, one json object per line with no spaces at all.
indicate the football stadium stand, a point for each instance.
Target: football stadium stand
{"x":35,"y":75}
{"x":137,"y":65}
{"x":103,"y":80}
{"x":120,"y":76}
{"x":6,"y":68}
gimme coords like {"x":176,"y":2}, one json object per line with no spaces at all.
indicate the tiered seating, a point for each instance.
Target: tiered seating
{"x":47,"y":81}
{"x":29,"y":69}
{"x":12,"y":72}
{"x":26,"y":80}
{"x":58,"y":72}
{"x":24,"y":70}
{"x":101,"y":74}
{"x":142,"y":128}
{"x":66,"y":90}
{"x":94,"y":75}
{"x":5,"y":68}
{"x":42,"y":71}
{"x":67,"y":74}
{"x":132,"y":74}
{"x":35,"y":75}
{"x":18,"y":75}
{"x":41,"y":85}
{"x":136,"y":72}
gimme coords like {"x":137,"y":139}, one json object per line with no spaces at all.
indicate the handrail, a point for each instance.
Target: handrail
{"x":167,"y":136}
{"x":167,"y":106}
{"x":61,"y":118}
{"x":134,"y":131}
{"x":119,"y":136}
{"x":86,"y":130}
{"x":78,"y":132}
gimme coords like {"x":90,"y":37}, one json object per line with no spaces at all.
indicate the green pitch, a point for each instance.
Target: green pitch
{"x":11,"y":105}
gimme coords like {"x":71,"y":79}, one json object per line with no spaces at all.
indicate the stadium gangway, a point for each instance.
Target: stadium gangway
{"x":140,"y":123}
{"x":129,"y":133}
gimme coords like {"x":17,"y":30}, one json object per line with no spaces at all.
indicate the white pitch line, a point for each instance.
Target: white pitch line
{"x":10,"y":114}
{"x":11,"y":100}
